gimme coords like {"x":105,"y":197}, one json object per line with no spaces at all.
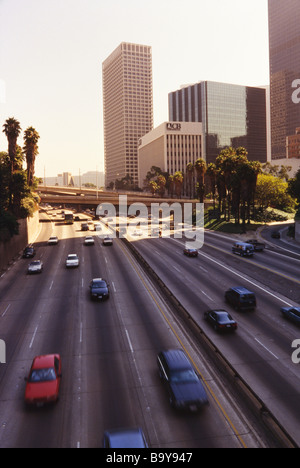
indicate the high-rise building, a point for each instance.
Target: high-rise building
{"x":231,"y":115}
{"x":284,"y":36}
{"x":127,"y":107}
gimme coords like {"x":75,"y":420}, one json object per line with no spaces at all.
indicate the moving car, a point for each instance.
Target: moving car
{"x":291,"y":313}
{"x":258,"y":246}
{"x":85,"y":227}
{"x":53,"y":240}
{"x":35,"y":267}
{"x":191,"y":252}
{"x":89,"y":240}
{"x":275,"y":235}
{"x":72,"y":261}
{"x":220,"y":320}
{"x":29,"y":252}
{"x":107,"y":241}
{"x":126,"y":438}
{"x":243,"y":249}
{"x":240,"y":298}
{"x":43,"y":381}
{"x":186,"y":391}
{"x":99,"y":289}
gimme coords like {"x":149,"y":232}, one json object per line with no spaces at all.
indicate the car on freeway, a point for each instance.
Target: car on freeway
{"x":43,"y":381}
{"x":258,"y":246}
{"x":291,"y":313}
{"x":35,"y":267}
{"x":99,"y":289}
{"x":107,"y":241}
{"x":89,"y":240}
{"x":97,"y":227}
{"x":85,"y":227}
{"x":53,"y":240}
{"x":275,"y":234}
{"x":221,"y":320}
{"x":240,"y":298}
{"x":72,"y":261}
{"x":29,"y":252}
{"x":190,"y":252}
{"x":243,"y":249}
{"x":125,"y":438}
{"x":185,"y":388}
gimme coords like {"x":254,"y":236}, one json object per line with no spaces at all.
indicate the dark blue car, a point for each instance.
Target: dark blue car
{"x":291,"y":313}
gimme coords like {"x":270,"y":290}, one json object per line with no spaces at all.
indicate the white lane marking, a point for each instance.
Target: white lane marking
{"x":33,"y":337}
{"x":4,"y":313}
{"x":267,"y":349}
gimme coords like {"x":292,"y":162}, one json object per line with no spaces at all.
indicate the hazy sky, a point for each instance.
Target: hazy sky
{"x":51,"y":54}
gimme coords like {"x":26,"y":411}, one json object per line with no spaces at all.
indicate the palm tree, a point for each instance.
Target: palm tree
{"x":12,"y":130}
{"x":190,"y":175}
{"x":211,"y":171}
{"x":31,"y":138}
{"x":178,"y":182}
{"x":200,"y":166}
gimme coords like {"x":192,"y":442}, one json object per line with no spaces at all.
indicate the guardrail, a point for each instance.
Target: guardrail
{"x":250,"y":397}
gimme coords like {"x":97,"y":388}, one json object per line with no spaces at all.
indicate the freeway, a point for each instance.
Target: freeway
{"x":108,"y":351}
{"x":261,"y":349}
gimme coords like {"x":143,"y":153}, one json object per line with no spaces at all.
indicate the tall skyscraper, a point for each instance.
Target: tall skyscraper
{"x":127,"y":107}
{"x":284,"y":35}
{"x":231,"y":115}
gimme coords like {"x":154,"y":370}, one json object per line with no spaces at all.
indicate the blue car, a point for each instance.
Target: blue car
{"x":128,"y":438}
{"x":291,"y":313}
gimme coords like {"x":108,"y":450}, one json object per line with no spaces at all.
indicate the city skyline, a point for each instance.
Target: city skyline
{"x":51,"y":56}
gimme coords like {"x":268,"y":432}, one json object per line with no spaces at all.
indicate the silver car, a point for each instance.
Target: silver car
{"x":35,"y":267}
{"x":72,"y":261}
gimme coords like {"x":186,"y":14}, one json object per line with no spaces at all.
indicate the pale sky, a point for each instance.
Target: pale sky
{"x":51,"y":54}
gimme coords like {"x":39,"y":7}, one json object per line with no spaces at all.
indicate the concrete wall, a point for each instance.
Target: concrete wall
{"x":28,"y":230}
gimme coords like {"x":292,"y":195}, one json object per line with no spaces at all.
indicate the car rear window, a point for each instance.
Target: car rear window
{"x":185,"y":375}
{"x":247,"y":297}
{"x":42,"y":375}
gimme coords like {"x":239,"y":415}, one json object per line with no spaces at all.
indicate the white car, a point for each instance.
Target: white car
{"x":35,"y":267}
{"x":89,"y":240}
{"x":107,"y":241}
{"x":53,"y":240}
{"x":72,"y":261}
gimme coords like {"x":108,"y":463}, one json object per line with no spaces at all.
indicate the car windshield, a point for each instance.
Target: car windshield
{"x":42,"y":375}
{"x":296,"y":312}
{"x":247,"y":297}
{"x":223,"y":317}
{"x":36,"y":262}
{"x":99,"y":284}
{"x":183,"y":376}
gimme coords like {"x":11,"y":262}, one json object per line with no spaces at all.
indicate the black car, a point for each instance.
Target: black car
{"x":186,"y":391}
{"x":258,"y":246}
{"x":240,"y":298}
{"x":29,"y":252}
{"x":275,"y":235}
{"x":191,"y":252}
{"x":220,"y":320}
{"x":99,"y":289}
{"x":291,"y":313}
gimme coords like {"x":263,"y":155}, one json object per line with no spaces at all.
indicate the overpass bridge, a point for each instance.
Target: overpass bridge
{"x":90,"y":198}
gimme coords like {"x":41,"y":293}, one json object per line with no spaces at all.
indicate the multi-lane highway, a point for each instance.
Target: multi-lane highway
{"x":110,"y":377}
{"x":261,"y":350}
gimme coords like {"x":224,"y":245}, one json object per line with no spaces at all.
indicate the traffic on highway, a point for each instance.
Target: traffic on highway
{"x":96,"y":356}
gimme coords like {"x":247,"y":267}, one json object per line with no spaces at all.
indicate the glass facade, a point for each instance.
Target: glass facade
{"x":284,"y":35}
{"x":231,"y":115}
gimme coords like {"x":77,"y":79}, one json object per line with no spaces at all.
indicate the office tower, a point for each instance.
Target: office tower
{"x":231,"y":115}
{"x":128,"y":108}
{"x":284,"y":36}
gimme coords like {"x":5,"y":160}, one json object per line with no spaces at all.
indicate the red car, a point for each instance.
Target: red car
{"x":43,"y":382}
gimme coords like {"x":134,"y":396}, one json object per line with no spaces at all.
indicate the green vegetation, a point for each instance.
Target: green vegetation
{"x":17,"y":185}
